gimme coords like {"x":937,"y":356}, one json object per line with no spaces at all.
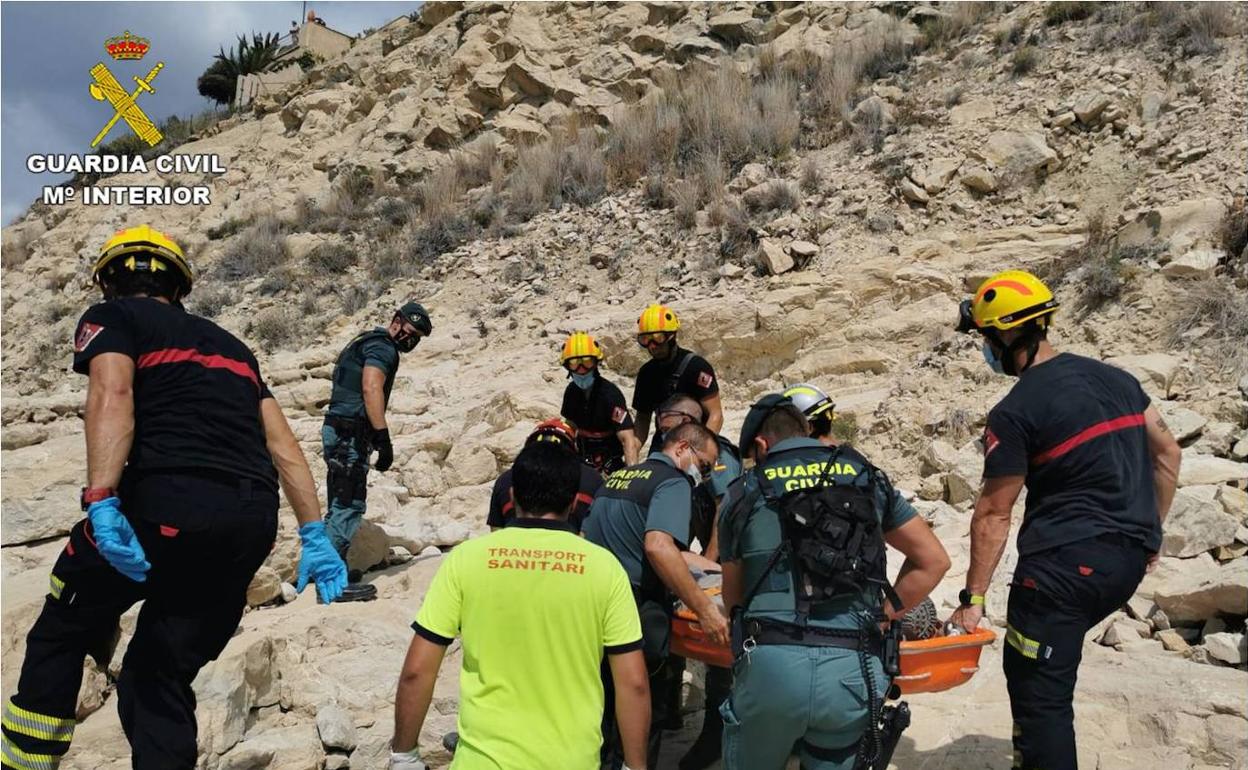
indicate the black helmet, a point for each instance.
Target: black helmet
{"x":415,"y":314}
{"x":758,"y":414}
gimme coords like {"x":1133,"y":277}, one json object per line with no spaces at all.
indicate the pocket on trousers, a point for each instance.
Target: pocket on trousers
{"x":732,"y":735}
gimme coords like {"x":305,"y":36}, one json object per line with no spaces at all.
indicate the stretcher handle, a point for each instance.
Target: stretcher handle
{"x":913,"y":677}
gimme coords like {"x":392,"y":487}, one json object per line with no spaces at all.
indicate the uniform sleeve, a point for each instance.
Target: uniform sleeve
{"x":621,"y":626}
{"x":499,"y":498}
{"x":439,"y":615}
{"x":897,"y":512}
{"x":565,"y":409}
{"x":643,"y":391}
{"x":104,"y":328}
{"x":1005,"y":445}
{"x":731,"y":469}
{"x":382,"y":355}
{"x":699,"y":379}
{"x":617,"y":410}
{"x":264,"y":386}
{"x":670,"y":510}
{"x":729,"y":548}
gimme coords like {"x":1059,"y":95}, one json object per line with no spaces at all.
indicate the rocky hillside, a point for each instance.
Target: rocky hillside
{"x":813,"y":187}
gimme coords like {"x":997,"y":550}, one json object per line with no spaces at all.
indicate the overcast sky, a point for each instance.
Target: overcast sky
{"x":47,"y":51}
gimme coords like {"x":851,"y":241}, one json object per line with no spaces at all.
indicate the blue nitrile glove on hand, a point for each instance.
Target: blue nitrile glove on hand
{"x":115,"y":539}
{"x":320,"y":563}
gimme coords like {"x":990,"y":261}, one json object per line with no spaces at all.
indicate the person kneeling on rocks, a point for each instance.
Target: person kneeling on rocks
{"x":537,"y":609}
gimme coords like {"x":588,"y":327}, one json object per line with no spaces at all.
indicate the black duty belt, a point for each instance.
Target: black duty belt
{"x":349,"y":424}
{"x":772,"y":632}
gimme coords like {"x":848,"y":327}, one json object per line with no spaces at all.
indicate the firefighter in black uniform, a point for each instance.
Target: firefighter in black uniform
{"x":556,"y":431}
{"x":671,"y":370}
{"x":595,"y":405}
{"x":1100,"y":467}
{"x":183,"y":438}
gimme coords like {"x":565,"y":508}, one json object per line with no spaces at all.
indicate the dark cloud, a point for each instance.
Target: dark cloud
{"x":49,"y":48}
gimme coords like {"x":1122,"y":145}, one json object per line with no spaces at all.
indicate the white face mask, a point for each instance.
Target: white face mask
{"x":694,"y":473}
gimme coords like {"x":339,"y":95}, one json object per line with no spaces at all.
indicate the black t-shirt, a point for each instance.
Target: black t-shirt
{"x":655,"y":380}
{"x":197,"y":388}
{"x":1074,"y":427}
{"x":598,"y":416}
{"x":502,"y":511}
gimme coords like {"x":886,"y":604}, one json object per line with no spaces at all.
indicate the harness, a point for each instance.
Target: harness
{"x":673,"y":379}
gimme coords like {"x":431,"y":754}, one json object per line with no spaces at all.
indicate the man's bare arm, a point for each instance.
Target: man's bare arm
{"x":109,"y":418}
{"x":926,"y":563}
{"x":632,"y":447}
{"x":1167,"y":456}
{"x":641,"y":427}
{"x":664,"y":556}
{"x":713,"y":408}
{"x":373,"y":383}
{"x":632,"y":705}
{"x":990,"y":528}
{"x":292,"y":465}
{"x":415,"y":693}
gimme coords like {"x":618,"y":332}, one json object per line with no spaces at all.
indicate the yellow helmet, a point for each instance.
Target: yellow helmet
{"x":145,"y":249}
{"x":580,"y":345}
{"x":1007,"y":300}
{"x":657,"y":318}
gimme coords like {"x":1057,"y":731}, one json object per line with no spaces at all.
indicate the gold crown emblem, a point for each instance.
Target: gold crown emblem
{"x":126,"y":46}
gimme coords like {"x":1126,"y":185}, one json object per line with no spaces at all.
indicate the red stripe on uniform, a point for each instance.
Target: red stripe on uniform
{"x":210,"y":361}
{"x":581,"y":497}
{"x":1084,"y":436}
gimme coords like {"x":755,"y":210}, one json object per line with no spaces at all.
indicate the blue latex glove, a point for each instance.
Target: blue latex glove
{"x":320,"y":563}
{"x":115,"y":539}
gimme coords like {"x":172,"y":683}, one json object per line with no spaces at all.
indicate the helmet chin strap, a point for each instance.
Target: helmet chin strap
{"x":1028,"y":339}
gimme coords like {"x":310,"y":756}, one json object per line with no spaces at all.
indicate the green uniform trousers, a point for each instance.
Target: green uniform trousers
{"x":789,"y":698}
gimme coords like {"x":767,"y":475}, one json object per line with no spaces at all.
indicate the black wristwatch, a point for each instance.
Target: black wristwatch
{"x":968,"y":599}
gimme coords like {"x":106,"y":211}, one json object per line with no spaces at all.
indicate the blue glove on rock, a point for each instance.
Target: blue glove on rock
{"x":320,"y":563}
{"x":115,"y":539}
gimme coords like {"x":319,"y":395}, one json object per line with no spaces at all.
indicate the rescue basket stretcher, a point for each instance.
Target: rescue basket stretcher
{"x":928,"y":665}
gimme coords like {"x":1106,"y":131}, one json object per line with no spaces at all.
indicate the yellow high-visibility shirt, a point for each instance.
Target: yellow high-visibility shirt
{"x":536,"y":607}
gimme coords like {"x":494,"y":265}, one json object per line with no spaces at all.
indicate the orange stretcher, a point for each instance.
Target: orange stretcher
{"x":930,"y":665}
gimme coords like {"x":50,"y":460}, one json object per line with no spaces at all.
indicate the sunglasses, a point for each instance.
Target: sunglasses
{"x":580,"y":364}
{"x":706,"y":468}
{"x":653,"y":339}
{"x":676,"y":412}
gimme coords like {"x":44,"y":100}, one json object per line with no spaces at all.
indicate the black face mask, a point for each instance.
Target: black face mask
{"x":406,"y":342}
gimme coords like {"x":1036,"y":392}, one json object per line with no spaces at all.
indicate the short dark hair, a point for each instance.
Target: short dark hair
{"x":545,"y":479}
{"x":674,"y":402}
{"x":821,"y":424}
{"x":691,"y":432}
{"x":784,"y":421}
{"x":119,"y":282}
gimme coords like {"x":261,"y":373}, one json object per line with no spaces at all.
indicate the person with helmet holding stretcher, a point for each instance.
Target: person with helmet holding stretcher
{"x":554,"y":431}
{"x":592,"y":403}
{"x":671,"y":370}
{"x":1100,"y":467}
{"x":186,"y":447}
{"x":355,"y":425}
{"x":802,"y":540}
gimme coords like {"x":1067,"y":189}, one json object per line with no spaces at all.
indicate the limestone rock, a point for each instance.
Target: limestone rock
{"x":774,"y":257}
{"x":1206,"y":469}
{"x":1198,"y":263}
{"x":1205,"y":589}
{"x":1171,"y":640}
{"x":1183,"y":225}
{"x":369,"y":547}
{"x":1088,"y":108}
{"x":265,"y":586}
{"x":973,"y":112}
{"x":912,"y":191}
{"x":470,"y":463}
{"x":284,"y":748}
{"x":1235,"y":502}
{"x":1184,"y":423}
{"x":939,"y":173}
{"x":1024,"y":152}
{"x":22,"y":435}
{"x":979,"y":179}
{"x":1123,"y":631}
{"x":1228,"y":648}
{"x":803,"y":251}
{"x":736,"y":26}
{"x":335,"y":727}
{"x":1157,"y":369}
{"x":289,"y":594}
{"x":1197,"y":523}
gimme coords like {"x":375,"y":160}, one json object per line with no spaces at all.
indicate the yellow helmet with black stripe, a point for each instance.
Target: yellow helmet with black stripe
{"x":657,"y":318}
{"x":145,"y":249}
{"x":580,"y":345}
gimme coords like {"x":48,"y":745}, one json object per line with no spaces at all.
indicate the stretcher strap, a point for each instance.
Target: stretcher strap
{"x":36,"y":725}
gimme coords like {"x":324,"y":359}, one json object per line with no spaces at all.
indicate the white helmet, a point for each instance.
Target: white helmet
{"x":811,"y":400}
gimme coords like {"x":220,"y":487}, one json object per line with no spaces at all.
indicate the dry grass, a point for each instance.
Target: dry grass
{"x":1193,"y":27}
{"x":568,"y":168}
{"x":255,"y":251}
{"x":735,"y":234}
{"x":1099,"y":269}
{"x":210,"y":302}
{"x":958,"y":22}
{"x":330,"y":259}
{"x":1069,"y":10}
{"x":686,"y":196}
{"x":870,"y":127}
{"x":1233,"y":237}
{"x":274,"y":329}
{"x":1216,"y":309}
{"x":1024,"y":60}
{"x":776,"y":195}
{"x":812,"y":177}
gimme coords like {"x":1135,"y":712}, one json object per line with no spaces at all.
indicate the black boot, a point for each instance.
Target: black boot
{"x":358,"y":592}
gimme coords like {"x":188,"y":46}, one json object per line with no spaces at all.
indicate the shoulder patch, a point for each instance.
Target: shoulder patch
{"x":705,"y":379}
{"x":87,"y":333}
{"x":991,"y":441}
{"x":618,"y":414}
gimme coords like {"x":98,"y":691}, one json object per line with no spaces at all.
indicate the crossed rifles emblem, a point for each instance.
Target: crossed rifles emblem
{"x":125,"y":105}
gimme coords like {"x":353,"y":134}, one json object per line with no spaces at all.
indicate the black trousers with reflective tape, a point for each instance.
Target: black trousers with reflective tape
{"x":665,"y":682}
{"x":1056,"y":597}
{"x":205,"y":538}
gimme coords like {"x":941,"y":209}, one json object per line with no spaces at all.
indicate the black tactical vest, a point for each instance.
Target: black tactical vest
{"x":348,"y":377}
